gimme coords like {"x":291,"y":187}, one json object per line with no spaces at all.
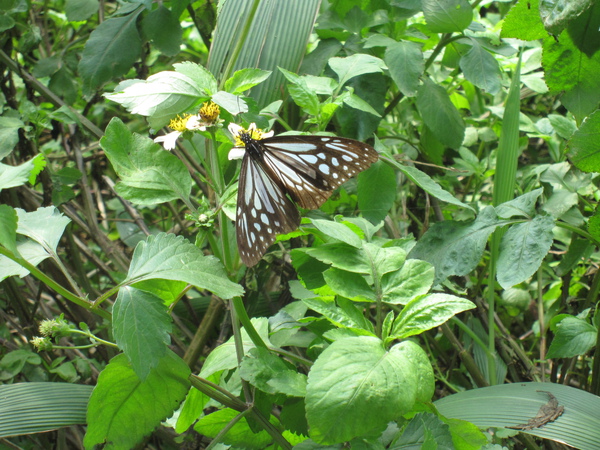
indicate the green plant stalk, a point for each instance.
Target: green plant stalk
{"x":217,"y":393}
{"x":219,"y":437}
{"x":542,"y":323}
{"x":53,"y":284}
{"x":239,"y":44}
{"x":504,"y":187}
{"x":242,"y":316}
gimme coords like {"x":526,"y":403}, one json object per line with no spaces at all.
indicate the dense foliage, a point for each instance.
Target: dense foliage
{"x":444,"y":298}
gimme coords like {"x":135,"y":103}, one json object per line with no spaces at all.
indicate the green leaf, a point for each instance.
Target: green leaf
{"x":349,"y":285}
{"x":8,"y":228}
{"x":45,"y":226}
{"x":270,"y":374}
{"x":30,"y":251}
{"x":557,"y":14}
{"x":12,"y":176}
{"x":455,"y":248}
{"x":164,"y":30}
{"x":523,"y":22}
{"x":230,"y":103}
{"x":406,"y":65}
{"x":584,"y":148}
{"x":439,"y":114}
{"x":340,"y":255}
{"x":377,"y":191}
{"x":481,"y":68}
{"x":425,"y":430}
{"x":110,"y":51}
{"x":571,"y":63}
{"x":352,"y":378}
{"x":337,"y":231}
{"x":77,"y":10}
{"x":425,"y":313}
{"x":413,"y":279}
{"x":355,"y":65}
{"x":522,"y":206}
{"x":448,"y":16}
{"x":149,"y":174}
{"x":341,"y":317}
{"x":123,"y":409}
{"x":239,"y":435}
{"x":224,"y":357}
{"x":384,"y":259}
{"x":162,"y":96}
{"x":192,"y":408}
{"x":33,"y":407}
{"x":141,"y":326}
{"x":573,"y":337}
{"x":9,"y":136}
{"x":302,"y":94}
{"x":170,"y":257}
{"x":523,"y":248}
{"x":244,"y":79}
{"x":12,"y":363}
{"x":201,"y":78}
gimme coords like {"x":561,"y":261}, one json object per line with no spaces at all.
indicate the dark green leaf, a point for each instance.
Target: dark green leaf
{"x":406,"y":65}
{"x":481,"y":68}
{"x":413,"y":279}
{"x":376,"y":191}
{"x":349,"y":285}
{"x":573,"y":337}
{"x":141,"y":326}
{"x":123,"y":409}
{"x":164,"y":30}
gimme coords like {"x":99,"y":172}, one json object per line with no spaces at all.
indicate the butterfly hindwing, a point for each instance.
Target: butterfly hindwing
{"x":304,"y":168}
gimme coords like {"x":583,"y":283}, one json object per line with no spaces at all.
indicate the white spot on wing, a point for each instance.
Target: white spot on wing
{"x":324,"y":168}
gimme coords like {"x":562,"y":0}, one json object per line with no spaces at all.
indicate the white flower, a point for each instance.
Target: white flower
{"x":169,"y":140}
{"x":195,"y":123}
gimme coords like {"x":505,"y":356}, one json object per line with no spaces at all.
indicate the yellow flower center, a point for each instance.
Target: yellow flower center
{"x":254,"y":133}
{"x":209,"y":113}
{"x":178,"y":123}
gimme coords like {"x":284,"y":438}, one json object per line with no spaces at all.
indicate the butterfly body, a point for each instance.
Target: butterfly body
{"x":278,"y":171}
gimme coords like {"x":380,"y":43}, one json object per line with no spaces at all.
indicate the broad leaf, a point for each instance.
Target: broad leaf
{"x":123,"y":409}
{"x":481,"y":68}
{"x":413,"y":279}
{"x":355,"y":65}
{"x":244,"y":79}
{"x":455,"y":248}
{"x":523,"y":248}
{"x":352,"y":378}
{"x":9,"y":135}
{"x":428,"y":312}
{"x":8,"y":228}
{"x":239,"y":436}
{"x":573,"y":337}
{"x":110,"y":51}
{"x":141,"y":326}
{"x":170,"y":257}
{"x":447,"y":16}
{"x":405,"y":61}
{"x":149,"y":174}
{"x":349,"y":285}
{"x":377,"y":191}
{"x":164,"y":30}
{"x":45,"y":226}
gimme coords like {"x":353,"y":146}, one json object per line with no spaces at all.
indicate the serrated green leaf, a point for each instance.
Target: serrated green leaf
{"x":349,"y":285}
{"x":244,"y":79}
{"x":573,"y":337}
{"x":337,"y":231}
{"x":239,"y":435}
{"x":523,"y":248}
{"x":270,"y":374}
{"x":9,"y":135}
{"x":584,"y":151}
{"x":341,"y":255}
{"x":149,"y":174}
{"x":523,"y":22}
{"x":425,"y":430}
{"x":171,"y":257}
{"x":8,"y":228}
{"x":45,"y":226}
{"x":405,"y":61}
{"x":123,"y":409}
{"x":425,"y":313}
{"x":448,"y":16}
{"x":481,"y":68}
{"x":161,"y":97}
{"x":377,"y":191}
{"x":455,"y":248}
{"x":141,"y":326}
{"x":439,"y":114}
{"x":556,"y":14}
{"x":110,"y":51}
{"x":413,"y":279}
{"x":164,"y":30}
{"x":352,"y":378}
{"x":355,"y":65}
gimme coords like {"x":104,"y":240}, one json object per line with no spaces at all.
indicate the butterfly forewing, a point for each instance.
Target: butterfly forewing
{"x":263,"y":212}
{"x":305,"y":168}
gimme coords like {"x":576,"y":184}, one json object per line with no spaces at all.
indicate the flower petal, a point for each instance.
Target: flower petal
{"x":234,"y":129}
{"x":236,"y":153}
{"x":169,"y":140}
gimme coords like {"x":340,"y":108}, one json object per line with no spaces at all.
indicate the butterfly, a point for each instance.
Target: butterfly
{"x":279,"y":172}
